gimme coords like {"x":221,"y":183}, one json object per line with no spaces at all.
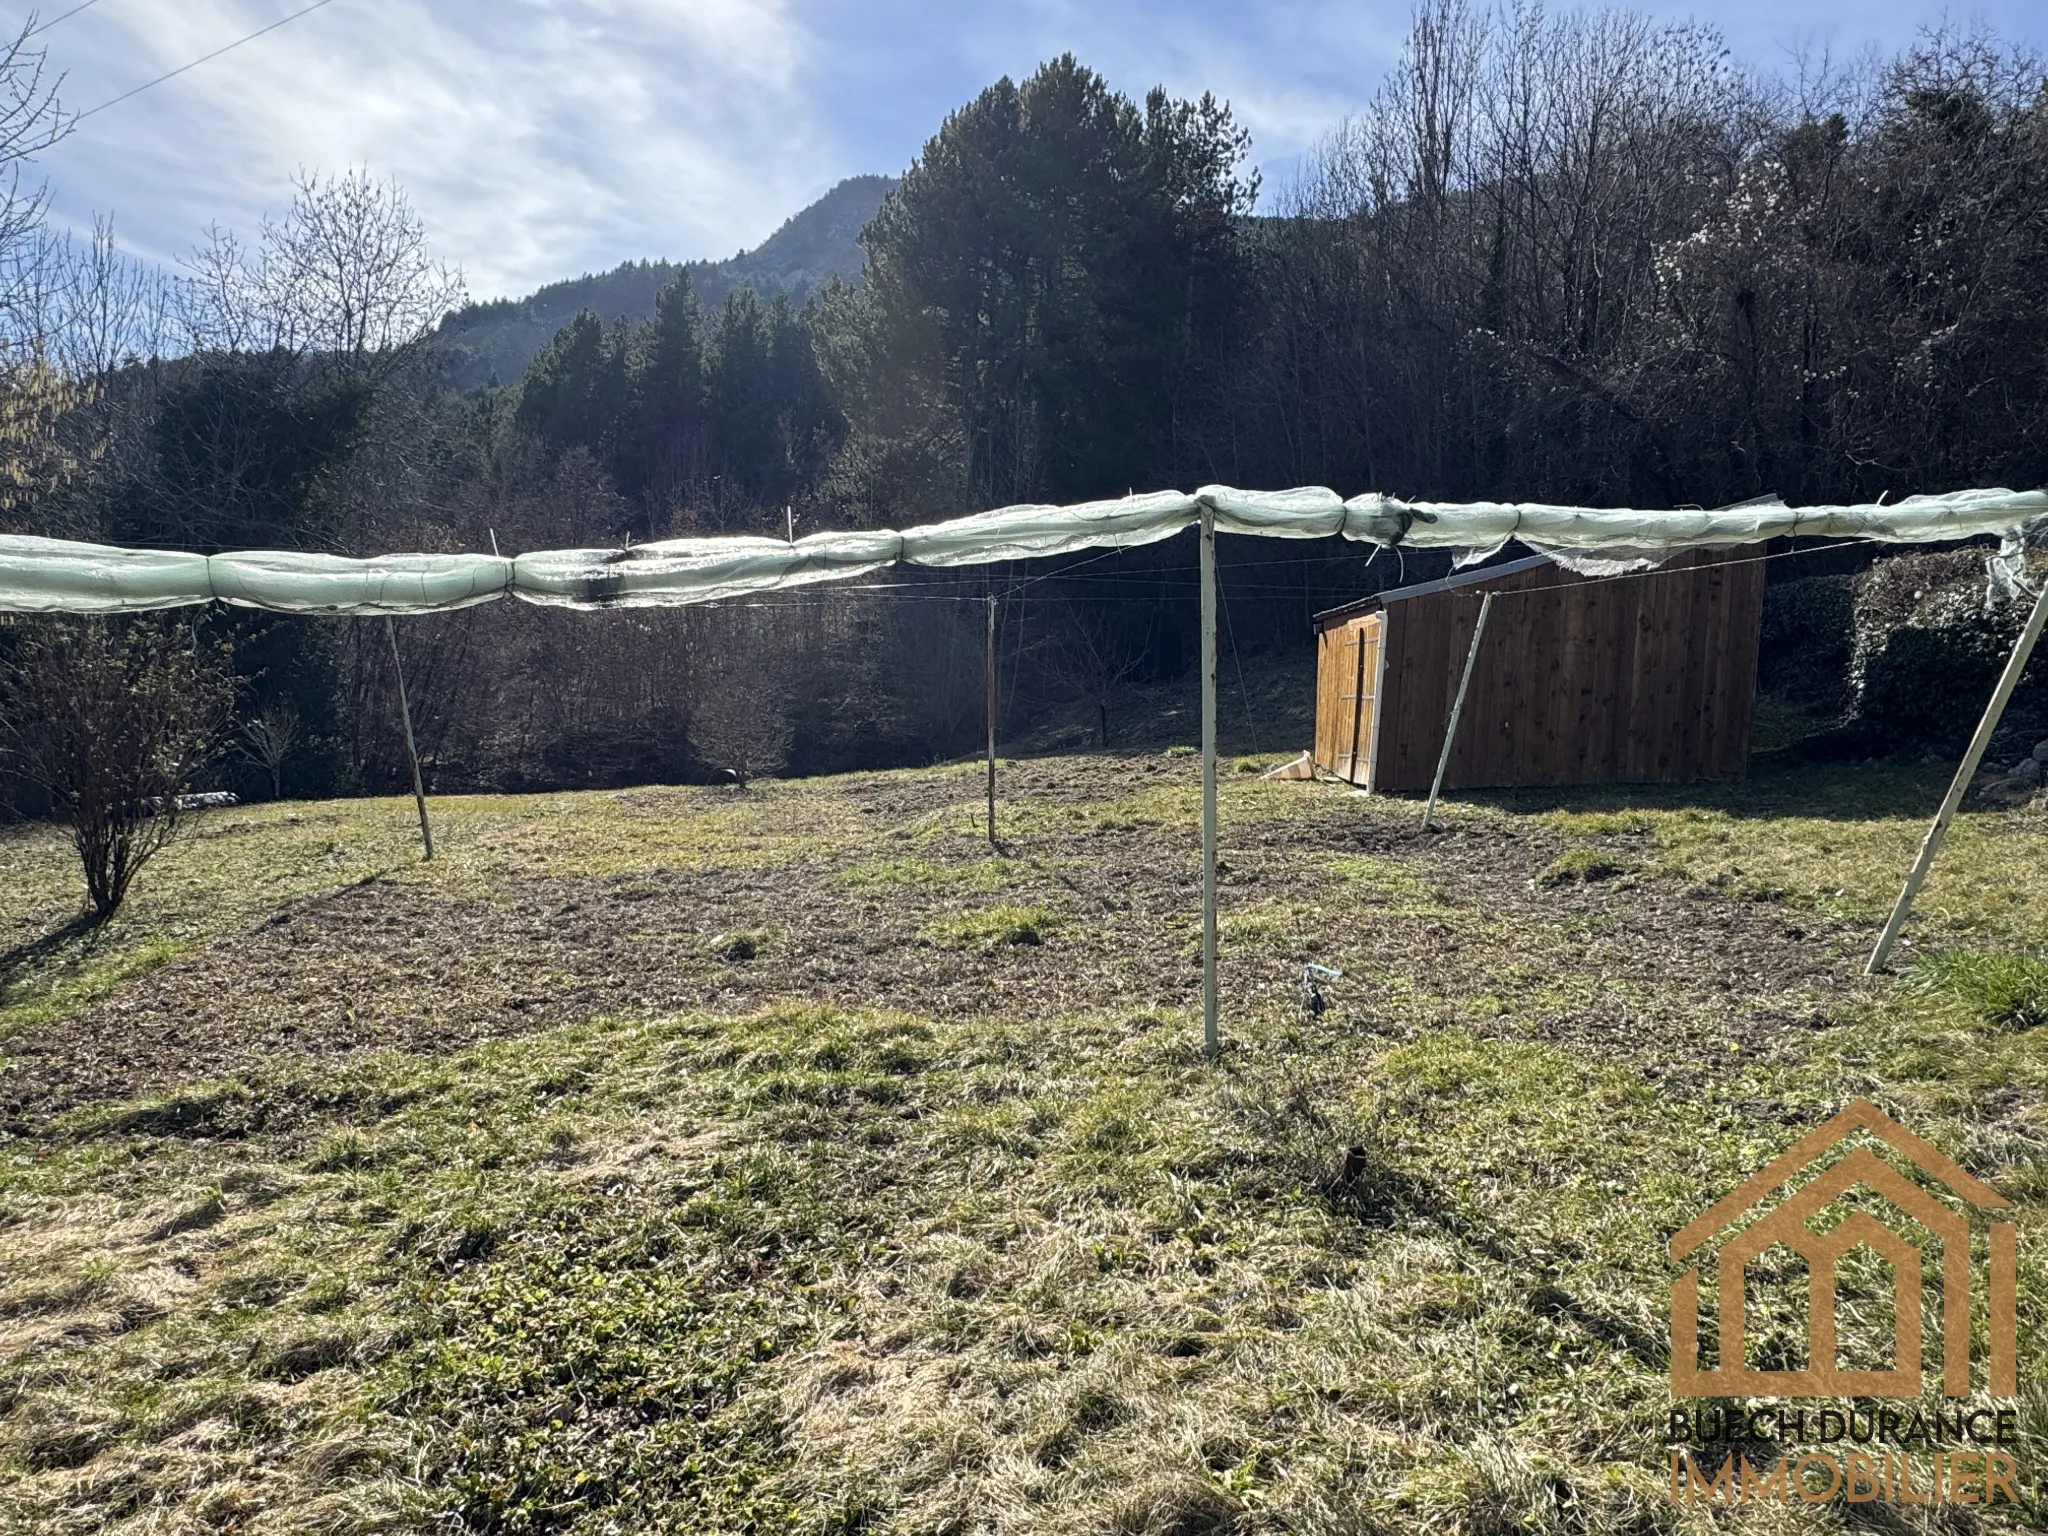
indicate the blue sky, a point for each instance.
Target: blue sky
{"x":540,"y":140}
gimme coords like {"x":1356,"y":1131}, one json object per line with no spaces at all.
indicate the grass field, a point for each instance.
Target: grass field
{"x":697,"y":1160}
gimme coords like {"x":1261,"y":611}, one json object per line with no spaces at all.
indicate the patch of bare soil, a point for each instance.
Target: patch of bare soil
{"x":405,"y":966}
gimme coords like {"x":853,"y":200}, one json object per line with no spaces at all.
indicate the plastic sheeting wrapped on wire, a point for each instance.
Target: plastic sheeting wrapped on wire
{"x":57,"y":576}
{"x":679,"y":571}
{"x":390,"y":584}
{"x":1646,"y":538}
{"x":1029,"y":532}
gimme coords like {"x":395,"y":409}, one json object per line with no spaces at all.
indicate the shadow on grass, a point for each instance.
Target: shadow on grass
{"x":1305,"y":1131}
{"x":84,"y":931}
{"x":1778,"y":787}
{"x":1373,"y":1192}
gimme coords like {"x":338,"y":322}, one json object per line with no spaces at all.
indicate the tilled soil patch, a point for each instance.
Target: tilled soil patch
{"x":403,"y":965}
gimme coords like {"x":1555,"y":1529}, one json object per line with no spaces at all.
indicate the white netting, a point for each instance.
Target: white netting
{"x":56,"y":576}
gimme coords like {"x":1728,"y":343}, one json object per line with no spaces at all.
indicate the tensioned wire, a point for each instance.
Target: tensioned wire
{"x":44,"y":26}
{"x":182,"y":68}
{"x":909,"y":590}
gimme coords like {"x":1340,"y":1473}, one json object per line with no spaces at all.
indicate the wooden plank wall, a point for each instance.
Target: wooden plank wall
{"x":1371,"y":630}
{"x":1644,"y":679}
{"x":1347,"y":672}
{"x":1332,"y":726}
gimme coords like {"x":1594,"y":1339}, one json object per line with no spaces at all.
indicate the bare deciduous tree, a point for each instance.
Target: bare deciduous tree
{"x":222,"y":302}
{"x":344,"y":275}
{"x":269,"y":739}
{"x":1097,"y":650}
{"x":31,"y":120}
{"x":115,"y":719}
{"x":742,"y":693}
{"x":109,"y":311}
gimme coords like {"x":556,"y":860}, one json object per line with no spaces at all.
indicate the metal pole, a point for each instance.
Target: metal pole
{"x":991,"y":680}
{"x":2015,"y":665}
{"x":1457,"y":709}
{"x":419,"y":793}
{"x":1211,"y":1036}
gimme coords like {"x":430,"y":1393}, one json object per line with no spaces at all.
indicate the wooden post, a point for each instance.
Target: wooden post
{"x":2015,"y":665}
{"x":991,"y":681}
{"x":1457,"y":709}
{"x":1212,"y":1039}
{"x":419,"y":793}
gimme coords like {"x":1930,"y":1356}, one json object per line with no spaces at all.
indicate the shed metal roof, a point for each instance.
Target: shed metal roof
{"x":1449,"y":583}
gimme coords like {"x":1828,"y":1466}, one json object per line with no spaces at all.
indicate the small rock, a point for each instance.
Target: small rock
{"x":2027,"y":770}
{"x":2041,"y":751}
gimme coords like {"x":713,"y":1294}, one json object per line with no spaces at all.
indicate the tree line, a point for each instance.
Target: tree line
{"x":1580,"y":257}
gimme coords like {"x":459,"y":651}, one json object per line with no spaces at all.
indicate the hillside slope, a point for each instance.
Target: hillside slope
{"x":687,"y":1159}
{"x":494,"y":342}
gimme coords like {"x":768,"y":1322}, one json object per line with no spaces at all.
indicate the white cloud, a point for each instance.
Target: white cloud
{"x":1288,"y":70}
{"x":538,"y":140}
{"x":543,"y":138}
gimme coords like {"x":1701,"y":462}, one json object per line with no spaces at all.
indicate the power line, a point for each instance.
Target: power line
{"x":45,"y":26}
{"x":182,"y":68}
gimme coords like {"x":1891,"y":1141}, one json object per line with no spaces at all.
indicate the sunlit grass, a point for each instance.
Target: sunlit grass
{"x":2005,"y":990}
{"x":986,"y":926}
{"x":743,"y":1273}
{"x":821,"y":1269}
{"x":1834,"y":839}
{"x":985,"y":874}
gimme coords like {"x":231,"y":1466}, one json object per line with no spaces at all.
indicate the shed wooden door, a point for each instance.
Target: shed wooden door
{"x":1347,"y":677}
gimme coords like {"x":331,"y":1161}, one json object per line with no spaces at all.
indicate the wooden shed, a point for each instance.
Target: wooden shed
{"x":1645,"y":678}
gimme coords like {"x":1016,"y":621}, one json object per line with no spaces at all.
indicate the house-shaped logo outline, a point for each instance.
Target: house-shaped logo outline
{"x":1787,"y":1224}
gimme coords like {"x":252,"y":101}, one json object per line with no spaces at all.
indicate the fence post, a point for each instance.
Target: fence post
{"x":2015,"y":665}
{"x":1457,"y":710}
{"x":1212,"y":1039}
{"x":991,"y":690}
{"x":419,"y":793}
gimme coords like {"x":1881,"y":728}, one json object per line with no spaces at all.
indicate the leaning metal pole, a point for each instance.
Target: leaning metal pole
{"x":419,"y":793}
{"x":1457,"y":710}
{"x":2015,"y":665}
{"x":1211,"y":1037}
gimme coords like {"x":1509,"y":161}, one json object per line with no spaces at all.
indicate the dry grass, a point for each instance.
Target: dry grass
{"x":893,"y":1223}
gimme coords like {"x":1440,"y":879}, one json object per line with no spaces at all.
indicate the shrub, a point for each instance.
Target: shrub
{"x":115,"y":719}
{"x":1926,"y":652}
{"x":1807,"y":641}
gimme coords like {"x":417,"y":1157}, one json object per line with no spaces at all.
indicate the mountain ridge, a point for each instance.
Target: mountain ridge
{"x":491,"y":343}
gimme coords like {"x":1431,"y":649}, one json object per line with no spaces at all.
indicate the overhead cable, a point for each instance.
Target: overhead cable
{"x":204,"y":59}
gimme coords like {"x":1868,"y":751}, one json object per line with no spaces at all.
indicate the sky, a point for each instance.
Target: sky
{"x":543,"y":140}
